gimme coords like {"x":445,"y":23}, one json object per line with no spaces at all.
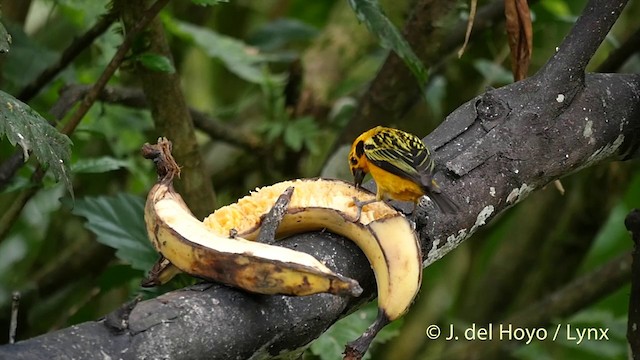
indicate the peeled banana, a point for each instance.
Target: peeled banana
{"x":205,"y":249}
{"x":195,"y":249}
{"x":384,"y":235}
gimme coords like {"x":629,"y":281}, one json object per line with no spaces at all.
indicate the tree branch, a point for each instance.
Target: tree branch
{"x":565,"y":70}
{"x":155,"y":325}
{"x":569,"y":237}
{"x":221,"y":322}
{"x":84,"y":262}
{"x":491,"y":153}
{"x":135,"y":98}
{"x":8,"y":218}
{"x":487,"y":16}
{"x":144,"y":20}
{"x":394,"y":89}
{"x":170,"y":113}
{"x":68,"y":55}
{"x":9,"y":167}
{"x":15,"y":10}
{"x":576,"y":295}
{"x":486,"y":145}
{"x":548,"y":255}
{"x":619,"y":56}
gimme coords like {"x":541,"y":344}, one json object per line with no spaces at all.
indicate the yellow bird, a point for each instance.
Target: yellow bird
{"x":400,"y":164}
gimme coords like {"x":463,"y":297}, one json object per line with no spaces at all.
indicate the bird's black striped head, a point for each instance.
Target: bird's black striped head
{"x":357,"y":159}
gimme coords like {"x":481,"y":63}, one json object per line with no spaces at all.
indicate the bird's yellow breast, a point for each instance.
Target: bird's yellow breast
{"x":391,"y":186}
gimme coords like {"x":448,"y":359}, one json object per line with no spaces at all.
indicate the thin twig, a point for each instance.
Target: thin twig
{"x":9,"y":167}
{"x":11,"y":214}
{"x":567,"y":66}
{"x":135,"y":98}
{"x":576,"y":295}
{"x":472,"y":15}
{"x":620,"y":55}
{"x":89,"y":99}
{"x":393,"y":91}
{"x":632,"y":223}
{"x":68,"y":55}
{"x":87,"y":257}
{"x":113,"y":65}
{"x":70,"y":94}
{"x":15,"y":304}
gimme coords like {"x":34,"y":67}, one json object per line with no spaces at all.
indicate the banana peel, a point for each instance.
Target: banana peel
{"x":223,"y":247}
{"x":382,"y":233}
{"x":191,"y":247}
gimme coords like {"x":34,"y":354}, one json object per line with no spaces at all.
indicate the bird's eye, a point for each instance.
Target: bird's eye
{"x":353,"y":161}
{"x":360,"y":148}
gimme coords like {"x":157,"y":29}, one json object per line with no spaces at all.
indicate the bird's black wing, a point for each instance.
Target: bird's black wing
{"x":400,"y":153}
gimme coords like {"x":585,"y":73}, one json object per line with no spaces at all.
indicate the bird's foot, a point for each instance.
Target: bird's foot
{"x":359,"y":205}
{"x":420,"y":212}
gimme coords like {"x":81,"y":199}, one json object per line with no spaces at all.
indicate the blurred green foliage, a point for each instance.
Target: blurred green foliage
{"x":235,"y":61}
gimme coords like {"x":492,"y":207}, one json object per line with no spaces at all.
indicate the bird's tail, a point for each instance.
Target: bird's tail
{"x":443,"y":202}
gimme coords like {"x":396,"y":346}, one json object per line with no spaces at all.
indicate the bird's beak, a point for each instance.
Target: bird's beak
{"x":358,"y":176}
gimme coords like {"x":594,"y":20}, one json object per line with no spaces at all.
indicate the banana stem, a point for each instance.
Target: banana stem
{"x":161,"y":272}
{"x":160,"y":153}
{"x":356,"y":349}
{"x":272,"y":220}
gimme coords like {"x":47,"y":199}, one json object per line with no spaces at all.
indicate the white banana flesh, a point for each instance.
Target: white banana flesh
{"x":256,"y":267}
{"x":385,"y":236}
{"x":204,"y":249}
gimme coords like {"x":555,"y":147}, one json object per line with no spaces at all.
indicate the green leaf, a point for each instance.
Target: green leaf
{"x":370,"y":13}
{"x":116,"y":276}
{"x":118,"y":222}
{"x":243,"y":60}
{"x":208,"y":2}
{"x":342,"y":111}
{"x":293,"y":138}
{"x":156,"y":62}
{"x":436,"y":93}
{"x":309,"y":130}
{"x":492,"y":72}
{"x":281,"y":32}
{"x":5,"y":39}
{"x":98,"y":165}
{"x":331,"y":344}
{"x":613,"y":238}
{"x":27,"y":60}
{"x":568,"y":344}
{"x":25,"y":127}
{"x":558,"y":8}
